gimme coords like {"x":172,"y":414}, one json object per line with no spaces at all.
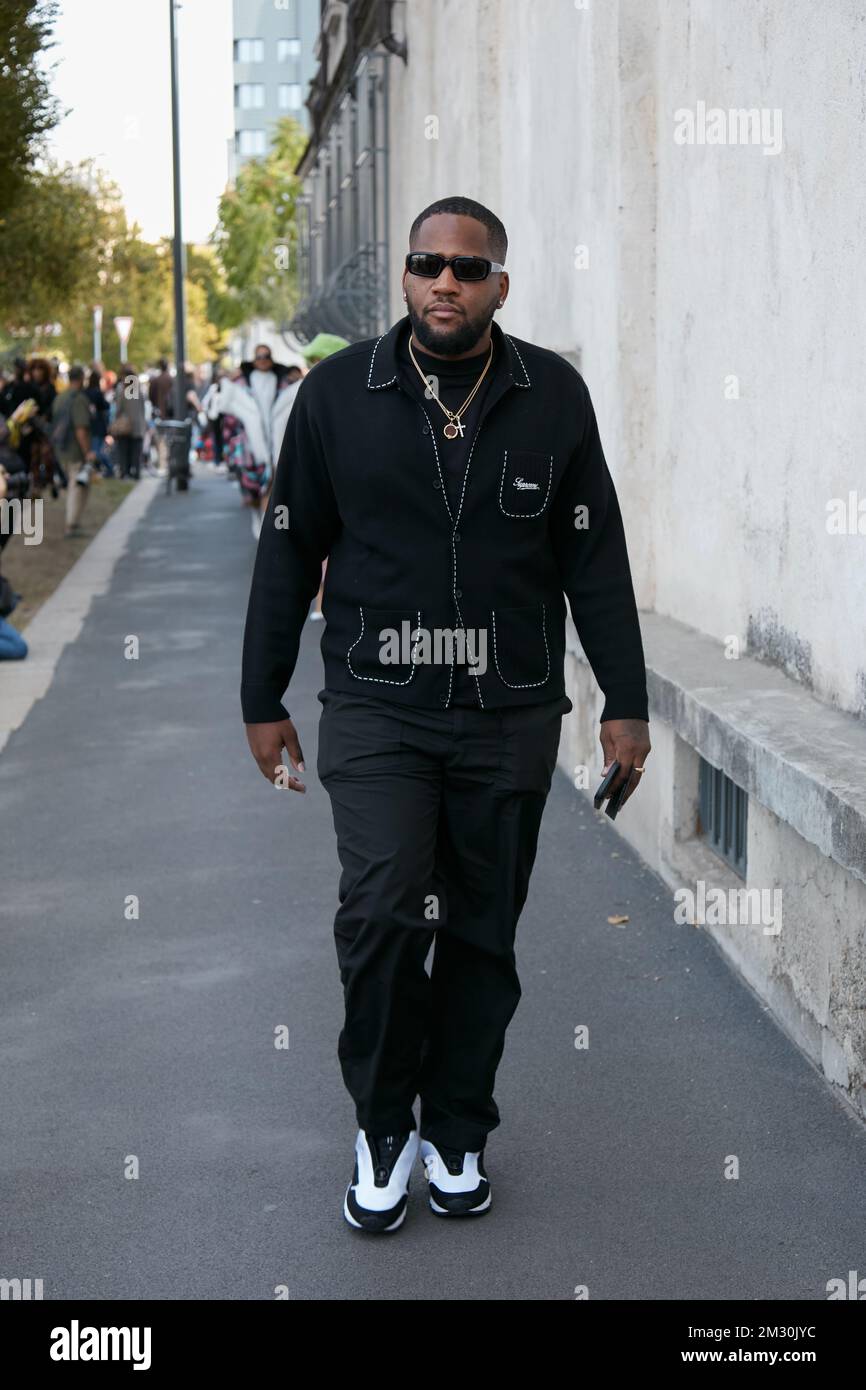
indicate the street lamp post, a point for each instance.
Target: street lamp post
{"x":123,"y":324}
{"x":177,"y":246}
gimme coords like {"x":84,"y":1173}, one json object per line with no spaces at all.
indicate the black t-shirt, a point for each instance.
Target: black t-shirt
{"x":453,"y":380}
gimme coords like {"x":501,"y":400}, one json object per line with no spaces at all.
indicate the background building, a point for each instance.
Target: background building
{"x":343,"y":232}
{"x":274,"y":60}
{"x":276,"y":46}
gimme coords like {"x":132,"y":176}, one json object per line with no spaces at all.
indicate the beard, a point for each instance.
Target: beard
{"x":449,"y":342}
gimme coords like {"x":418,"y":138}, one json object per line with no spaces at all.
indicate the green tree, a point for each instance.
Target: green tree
{"x":256,"y":233}
{"x":65,"y":243}
{"x":137,"y":279}
{"x":209,"y":304}
{"x":52,"y":238}
{"x":67,"y":246}
{"x":27,"y":108}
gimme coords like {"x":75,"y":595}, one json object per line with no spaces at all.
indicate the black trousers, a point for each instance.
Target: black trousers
{"x":437,"y":814}
{"x":216,"y":429}
{"x":127,"y":455}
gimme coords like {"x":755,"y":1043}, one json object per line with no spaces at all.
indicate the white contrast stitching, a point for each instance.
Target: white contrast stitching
{"x":454,"y":564}
{"x":381,"y":383}
{"x":439,"y":466}
{"x":465,"y":477}
{"x":523,"y":685}
{"x":382,"y":680}
{"x":522,"y":515}
{"x":527,"y":382}
{"x":454,"y":522}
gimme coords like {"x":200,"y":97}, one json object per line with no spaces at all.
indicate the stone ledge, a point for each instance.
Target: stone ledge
{"x":801,"y":759}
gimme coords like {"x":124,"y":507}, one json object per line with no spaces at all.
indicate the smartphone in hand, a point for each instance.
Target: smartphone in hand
{"x":615,"y":802}
{"x":605,"y":784}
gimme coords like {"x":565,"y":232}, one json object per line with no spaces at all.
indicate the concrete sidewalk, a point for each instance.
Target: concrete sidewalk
{"x":151,"y":1041}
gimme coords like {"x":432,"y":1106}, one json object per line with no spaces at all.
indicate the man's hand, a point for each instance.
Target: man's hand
{"x":627,"y":742}
{"x":267,"y":742}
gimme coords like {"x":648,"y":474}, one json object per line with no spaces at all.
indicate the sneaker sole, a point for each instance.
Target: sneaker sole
{"x":469,"y":1211}
{"x":371,"y":1230}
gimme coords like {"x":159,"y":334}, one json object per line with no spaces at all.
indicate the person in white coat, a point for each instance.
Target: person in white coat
{"x":261,"y":398}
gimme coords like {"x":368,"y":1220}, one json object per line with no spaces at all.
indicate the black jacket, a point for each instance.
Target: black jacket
{"x":359,"y":480}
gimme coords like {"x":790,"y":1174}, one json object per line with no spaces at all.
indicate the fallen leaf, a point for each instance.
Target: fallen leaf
{"x":617,"y":921}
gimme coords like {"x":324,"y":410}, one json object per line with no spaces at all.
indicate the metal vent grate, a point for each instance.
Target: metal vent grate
{"x":723,"y":816}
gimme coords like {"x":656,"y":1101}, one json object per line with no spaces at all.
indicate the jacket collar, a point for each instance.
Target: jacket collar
{"x":383,"y":359}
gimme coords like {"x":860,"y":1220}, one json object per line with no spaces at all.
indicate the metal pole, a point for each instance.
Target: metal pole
{"x":97,"y":332}
{"x":178,"y":256}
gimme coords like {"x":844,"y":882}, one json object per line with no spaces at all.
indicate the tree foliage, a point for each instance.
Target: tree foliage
{"x":67,"y":246}
{"x":27,"y":108}
{"x":65,"y":243}
{"x":51,"y":239}
{"x":256,"y":234}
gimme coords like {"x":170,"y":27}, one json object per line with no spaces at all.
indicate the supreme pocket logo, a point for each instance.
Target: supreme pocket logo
{"x":524,"y":490}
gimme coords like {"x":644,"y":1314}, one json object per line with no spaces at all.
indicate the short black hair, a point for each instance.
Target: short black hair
{"x":76,"y":373}
{"x":467,"y":207}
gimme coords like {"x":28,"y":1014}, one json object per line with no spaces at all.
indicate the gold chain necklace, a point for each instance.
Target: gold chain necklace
{"x":455,"y":424}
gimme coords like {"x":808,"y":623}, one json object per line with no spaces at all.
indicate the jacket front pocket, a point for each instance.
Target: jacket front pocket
{"x":385,"y":649}
{"x":521,"y":652}
{"x":524,"y":489}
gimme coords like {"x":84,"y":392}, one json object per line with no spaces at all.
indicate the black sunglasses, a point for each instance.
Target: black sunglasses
{"x":430,"y":265}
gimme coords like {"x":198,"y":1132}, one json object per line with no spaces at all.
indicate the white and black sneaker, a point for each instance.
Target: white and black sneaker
{"x":457,"y":1183}
{"x":377,"y":1195}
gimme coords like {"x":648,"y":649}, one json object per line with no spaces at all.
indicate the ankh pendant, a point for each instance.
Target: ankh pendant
{"x":453,"y":428}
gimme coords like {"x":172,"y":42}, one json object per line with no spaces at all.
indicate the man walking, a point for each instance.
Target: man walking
{"x":160,"y":389}
{"x":455,"y":478}
{"x":71,"y":438}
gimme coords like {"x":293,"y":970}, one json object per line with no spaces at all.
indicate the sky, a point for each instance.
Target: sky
{"x":113,"y":74}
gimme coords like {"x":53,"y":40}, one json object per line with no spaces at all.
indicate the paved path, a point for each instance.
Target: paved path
{"x":154,"y":1037}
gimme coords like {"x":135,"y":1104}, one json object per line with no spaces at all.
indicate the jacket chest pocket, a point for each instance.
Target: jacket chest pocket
{"x":524,"y":489}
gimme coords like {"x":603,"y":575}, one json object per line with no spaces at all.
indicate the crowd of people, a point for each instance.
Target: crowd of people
{"x":62,"y":431}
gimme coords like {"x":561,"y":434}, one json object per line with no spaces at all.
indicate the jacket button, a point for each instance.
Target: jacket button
{"x":425,"y":429}
{"x":458,"y":593}
{"x":437,"y":482}
{"x":456,"y":535}
{"x":443,"y":699}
